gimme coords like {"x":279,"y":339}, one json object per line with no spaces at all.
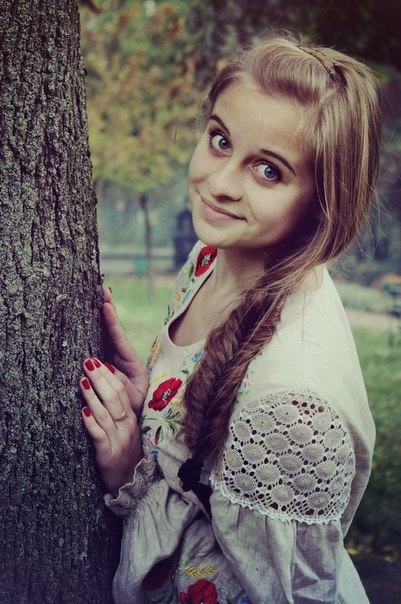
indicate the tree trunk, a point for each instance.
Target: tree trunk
{"x":58,"y":544}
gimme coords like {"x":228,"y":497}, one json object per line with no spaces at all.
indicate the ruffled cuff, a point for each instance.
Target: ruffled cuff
{"x":131,"y":493}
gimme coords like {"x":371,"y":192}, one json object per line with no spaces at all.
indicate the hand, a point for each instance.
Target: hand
{"x":133,"y":372}
{"x":112,"y":423}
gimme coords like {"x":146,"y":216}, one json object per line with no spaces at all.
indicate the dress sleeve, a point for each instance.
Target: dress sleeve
{"x":155,"y":517}
{"x":130,"y":494}
{"x":280,"y":489}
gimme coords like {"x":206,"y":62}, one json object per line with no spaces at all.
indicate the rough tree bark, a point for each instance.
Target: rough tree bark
{"x":57,"y":543}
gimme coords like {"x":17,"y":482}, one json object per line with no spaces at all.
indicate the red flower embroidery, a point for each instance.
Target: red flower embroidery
{"x":205,"y":259}
{"x":164,"y":393}
{"x":201,"y":592}
{"x":158,"y":575}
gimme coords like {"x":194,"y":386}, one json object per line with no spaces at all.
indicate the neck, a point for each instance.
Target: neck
{"x":237,"y":270}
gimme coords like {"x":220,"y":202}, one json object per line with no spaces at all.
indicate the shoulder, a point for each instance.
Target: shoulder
{"x":313,"y":346}
{"x":288,"y":455}
{"x":200,"y":260}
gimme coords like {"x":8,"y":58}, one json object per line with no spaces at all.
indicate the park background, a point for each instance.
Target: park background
{"x":149,"y":65}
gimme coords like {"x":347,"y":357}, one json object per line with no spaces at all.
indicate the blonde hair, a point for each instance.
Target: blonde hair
{"x":339,"y":99}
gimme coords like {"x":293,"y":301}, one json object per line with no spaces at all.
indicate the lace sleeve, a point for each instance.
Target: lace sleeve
{"x":131,"y":493}
{"x":288,"y":457}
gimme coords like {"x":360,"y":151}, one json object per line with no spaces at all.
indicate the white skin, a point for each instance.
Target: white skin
{"x":108,"y":394}
{"x":250,"y":186}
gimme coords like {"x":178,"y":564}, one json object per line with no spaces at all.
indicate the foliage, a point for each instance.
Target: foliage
{"x":366,"y":29}
{"x":140,"y":92}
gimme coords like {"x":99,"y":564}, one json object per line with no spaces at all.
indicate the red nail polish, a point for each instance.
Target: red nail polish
{"x":87,"y":411}
{"x":110,"y":367}
{"x":96,"y":363}
{"x":89,"y":365}
{"x":86,"y":384}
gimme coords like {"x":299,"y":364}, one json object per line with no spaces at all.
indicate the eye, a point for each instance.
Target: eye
{"x":268,"y":172}
{"x":218,"y":142}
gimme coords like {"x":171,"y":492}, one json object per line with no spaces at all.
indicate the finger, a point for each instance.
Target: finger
{"x":108,"y":388}
{"x":120,"y":341}
{"x":132,"y":390}
{"x":99,"y":422}
{"x":108,"y":296}
{"x":97,"y":433}
{"x":101,"y":441}
{"x":118,"y":381}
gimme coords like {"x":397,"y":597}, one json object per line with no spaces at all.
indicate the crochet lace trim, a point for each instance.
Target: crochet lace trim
{"x":288,"y":457}
{"x":131,"y":493}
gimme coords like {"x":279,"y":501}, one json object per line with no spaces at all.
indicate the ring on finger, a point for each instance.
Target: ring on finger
{"x":120,"y":418}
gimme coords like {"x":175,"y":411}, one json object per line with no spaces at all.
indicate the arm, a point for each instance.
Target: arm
{"x":280,"y":491}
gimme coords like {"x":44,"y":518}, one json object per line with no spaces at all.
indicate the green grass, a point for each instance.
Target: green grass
{"x":378,"y":520}
{"x":140,"y":315}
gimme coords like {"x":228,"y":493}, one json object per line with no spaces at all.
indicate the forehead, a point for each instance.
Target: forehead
{"x":279,"y":120}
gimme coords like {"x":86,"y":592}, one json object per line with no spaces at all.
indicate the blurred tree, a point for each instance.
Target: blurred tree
{"x":58,"y":544}
{"x":369,"y":29}
{"x":141,"y":96}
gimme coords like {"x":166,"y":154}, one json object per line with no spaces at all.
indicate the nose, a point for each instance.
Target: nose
{"x":225,"y":182}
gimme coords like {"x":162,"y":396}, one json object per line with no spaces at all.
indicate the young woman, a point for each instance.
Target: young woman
{"x":239,"y":455}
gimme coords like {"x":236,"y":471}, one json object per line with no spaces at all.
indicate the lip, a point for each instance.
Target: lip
{"x":211,"y":212}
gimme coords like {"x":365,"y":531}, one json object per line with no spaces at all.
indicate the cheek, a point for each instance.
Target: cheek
{"x":198,"y":165}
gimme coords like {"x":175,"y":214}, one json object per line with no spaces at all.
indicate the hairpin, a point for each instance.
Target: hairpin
{"x":330,"y":66}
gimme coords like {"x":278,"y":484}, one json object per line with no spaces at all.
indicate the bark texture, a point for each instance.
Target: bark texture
{"x":57,"y":542}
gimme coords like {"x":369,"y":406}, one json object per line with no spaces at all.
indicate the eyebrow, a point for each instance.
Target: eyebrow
{"x":217,"y":119}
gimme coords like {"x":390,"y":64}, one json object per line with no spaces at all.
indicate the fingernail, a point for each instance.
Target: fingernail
{"x":110,"y":367}
{"x":86,"y":384}
{"x":89,"y":365}
{"x":111,"y":291}
{"x":96,"y":362}
{"x":87,"y":411}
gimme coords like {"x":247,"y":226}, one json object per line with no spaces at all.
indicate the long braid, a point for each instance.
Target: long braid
{"x":230,"y":347}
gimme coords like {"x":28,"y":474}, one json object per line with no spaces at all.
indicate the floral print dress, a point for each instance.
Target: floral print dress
{"x":294,"y":466}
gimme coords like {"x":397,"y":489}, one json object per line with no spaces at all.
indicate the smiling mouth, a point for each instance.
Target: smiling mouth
{"x":209,"y":208}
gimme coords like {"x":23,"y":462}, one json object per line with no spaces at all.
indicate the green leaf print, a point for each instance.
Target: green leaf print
{"x":159,"y":435}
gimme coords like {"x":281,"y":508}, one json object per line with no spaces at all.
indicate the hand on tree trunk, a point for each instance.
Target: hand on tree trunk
{"x":131,"y":370}
{"x":112,"y":424}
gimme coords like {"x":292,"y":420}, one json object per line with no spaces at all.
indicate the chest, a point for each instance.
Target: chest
{"x":202,"y":315}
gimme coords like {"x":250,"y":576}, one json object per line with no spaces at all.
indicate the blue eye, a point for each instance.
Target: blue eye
{"x":218,"y":141}
{"x":268,"y":172}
